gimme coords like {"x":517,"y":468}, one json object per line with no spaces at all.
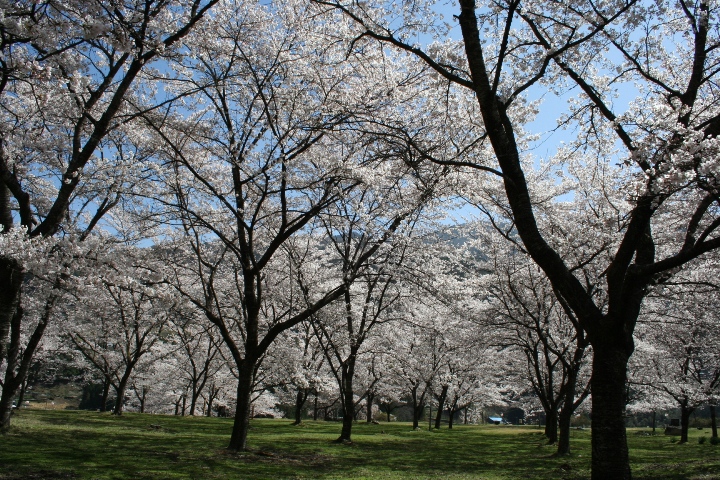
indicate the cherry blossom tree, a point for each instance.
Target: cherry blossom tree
{"x":73,"y":75}
{"x":116,"y":324}
{"x":678,"y":334}
{"x":263,"y":152}
{"x":664,"y":140}
{"x":529,"y":316}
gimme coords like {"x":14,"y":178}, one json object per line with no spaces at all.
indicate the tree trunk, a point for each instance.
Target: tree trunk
{"x":119,"y":398}
{"x":23,"y":389}
{"x":315,"y":408}
{"x":551,"y":425}
{"x":451,"y":419}
{"x":368,"y":407}
{"x":713,"y":421}
{"x":241,"y":425}
{"x":441,"y":405}
{"x":184,"y":404}
{"x":300,"y":398}
{"x":418,"y":408}
{"x":11,"y":277}
{"x":5,"y":412}
{"x":193,"y":401}
{"x":654,"y":418}
{"x":105,"y":395}
{"x":142,"y":401}
{"x":564,"y":438}
{"x":609,"y":441}
{"x":18,"y":361}
{"x":685,"y":413}
{"x":348,"y":406}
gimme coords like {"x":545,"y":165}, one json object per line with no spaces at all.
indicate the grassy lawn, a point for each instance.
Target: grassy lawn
{"x":59,"y":444}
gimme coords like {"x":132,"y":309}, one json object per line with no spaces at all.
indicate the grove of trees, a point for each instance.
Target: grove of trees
{"x":345,"y":207}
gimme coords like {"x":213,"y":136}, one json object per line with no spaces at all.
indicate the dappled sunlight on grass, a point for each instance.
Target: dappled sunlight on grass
{"x":69,"y":444}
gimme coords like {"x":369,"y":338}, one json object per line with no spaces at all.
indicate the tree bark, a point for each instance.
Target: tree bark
{"x":368,"y":407}
{"x":300,"y":398}
{"x":551,"y":425}
{"x":685,"y":413}
{"x":713,"y":421}
{"x":18,"y":360}
{"x":441,"y":405}
{"x":418,"y":407}
{"x":564,"y":438}
{"x":11,"y":278}
{"x":348,"y":403}
{"x":105,"y":395}
{"x":241,"y":425}
{"x":609,"y":440}
{"x":654,"y":418}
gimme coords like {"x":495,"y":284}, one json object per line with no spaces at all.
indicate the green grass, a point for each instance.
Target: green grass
{"x":73,"y":444}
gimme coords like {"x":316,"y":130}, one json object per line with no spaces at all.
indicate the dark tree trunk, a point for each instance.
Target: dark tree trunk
{"x":184,"y":404}
{"x":564,"y":438}
{"x":21,"y":396}
{"x":142,"y":400}
{"x":685,"y":413}
{"x":713,"y":421}
{"x":18,"y":361}
{"x":441,"y":405}
{"x":315,"y":408}
{"x":568,"y":403}
{"x":368,"y":407}
{"x":453,"y":410}
{"x":5,"y":412}
{"x":418,"y":407}
{"x":241,"y":425}
{"x":348,"y":403}
{"x":609,"y":441}
{"x":105,"y":395}
{"x":120,"y":390}
{"x":193,"y":401}
{"x":654,"y":418}
{"x":11,"y":278}
{"x":300,"y":399}
{"x":551,"y":426}
{"x":119,"y":400}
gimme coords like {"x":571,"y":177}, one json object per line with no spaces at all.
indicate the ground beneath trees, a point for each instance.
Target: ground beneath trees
{"x":83,"y":445}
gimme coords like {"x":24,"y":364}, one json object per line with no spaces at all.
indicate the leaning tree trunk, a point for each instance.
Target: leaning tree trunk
{"x":609,"y":441}
{"x":18,"y":361}
{"x":119,"y":398}
{"x":441,"y":405}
